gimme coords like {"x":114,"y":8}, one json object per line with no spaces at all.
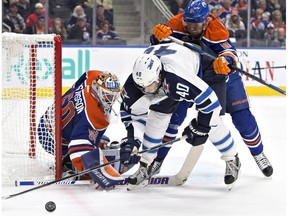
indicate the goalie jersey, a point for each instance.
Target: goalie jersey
{"x":83,"y":121}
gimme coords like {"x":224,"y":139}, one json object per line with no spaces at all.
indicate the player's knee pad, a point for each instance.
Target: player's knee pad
{"x":105,"y":176}
{"x":244,"y":121}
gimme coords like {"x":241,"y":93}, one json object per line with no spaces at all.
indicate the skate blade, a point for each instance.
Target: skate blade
{"x":141,"y":185}
{"x":230,"y":186}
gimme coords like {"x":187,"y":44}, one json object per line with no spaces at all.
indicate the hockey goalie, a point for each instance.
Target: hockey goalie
{"x":86,"y":110}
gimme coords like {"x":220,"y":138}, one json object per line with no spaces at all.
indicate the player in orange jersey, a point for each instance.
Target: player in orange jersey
{"x":197,"y":25}
{"x":86,"y":108}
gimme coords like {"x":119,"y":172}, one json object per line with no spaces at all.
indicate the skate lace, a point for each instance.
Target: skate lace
{"x":262,"y":161}
{"x":155,"y":167}
{"x":231,"y":167}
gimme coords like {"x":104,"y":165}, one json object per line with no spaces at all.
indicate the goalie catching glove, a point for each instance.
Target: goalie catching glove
{"x":220,"y":65}
{"x":129,"y":151}
{"x":162,"y":31}
{"x":196,"y":134}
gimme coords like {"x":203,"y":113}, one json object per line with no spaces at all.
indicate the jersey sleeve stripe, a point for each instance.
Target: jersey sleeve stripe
{"x":202,"y":97}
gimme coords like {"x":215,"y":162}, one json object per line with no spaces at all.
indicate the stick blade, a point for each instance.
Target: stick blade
{"x":188,"y":165}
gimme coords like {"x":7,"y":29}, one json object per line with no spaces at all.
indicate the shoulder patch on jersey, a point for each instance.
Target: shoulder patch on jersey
{"x":216,"y":31}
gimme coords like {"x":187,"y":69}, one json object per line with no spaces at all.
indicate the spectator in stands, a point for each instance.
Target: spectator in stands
{"x":38,"y":27}
{"x":266,"y":18}
{"x":105,"y":33}
{"x":39,"y":11}
{"x":103,"y":15}
{"x":277,"y":20}
{"x":73,"y":3}
{"x":214,"y":11}
{"x":265,"y":6}
{"x":225,"y":10}
{"x":78,"y":11}
{"x":281,"y":5}
{"x":269,"y":35}
{"x":14,"y":20}
{"x":177,"y":6}
{"x":241,"y":5}
{"x":280,"y":40}
{"x":213,"y":4}
{"x":234,"y":22}
{"x":257,"y":22}
{"x":107,"y":4}
{"x":51,"y":5}
{"x":81,"y":31}
{"x":24,"y":8}
{"x":59,"y":28}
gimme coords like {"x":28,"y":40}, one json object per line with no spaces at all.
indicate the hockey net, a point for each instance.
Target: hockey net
{"x":31,"y":82}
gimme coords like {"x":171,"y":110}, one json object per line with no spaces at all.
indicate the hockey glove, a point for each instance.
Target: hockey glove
{"x":161,"y":31}
{"x":197,"y":135}
{"x":129,"y":151}
{"x":220,"y":65}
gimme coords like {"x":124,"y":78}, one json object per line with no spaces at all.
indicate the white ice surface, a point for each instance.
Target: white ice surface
{"x":203,"y":194}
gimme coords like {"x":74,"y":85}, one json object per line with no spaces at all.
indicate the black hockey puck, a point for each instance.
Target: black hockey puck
{"x":50,"y":206}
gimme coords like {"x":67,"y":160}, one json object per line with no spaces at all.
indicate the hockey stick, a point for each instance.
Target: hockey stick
{"x":275,"y":67}
{"x":201,"y":52}
{"x":90,"y":169}
{"x":246,"y":63}
{"x":165,"y":180}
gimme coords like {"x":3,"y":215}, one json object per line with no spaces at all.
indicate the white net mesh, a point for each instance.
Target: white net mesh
{"x":28,"y":88}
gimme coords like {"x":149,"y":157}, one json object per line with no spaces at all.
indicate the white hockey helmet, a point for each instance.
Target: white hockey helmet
{"x":107,"y":89}
{"x":146,"y":70}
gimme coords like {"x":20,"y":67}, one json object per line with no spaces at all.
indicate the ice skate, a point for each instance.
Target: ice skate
{"x":154,"y":168}
{"x":139,"y":179}
{"x":232,"y":170}
{"x":264,"y":164}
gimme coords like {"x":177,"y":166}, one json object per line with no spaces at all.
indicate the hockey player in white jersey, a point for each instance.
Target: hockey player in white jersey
{"x":162,"y":77}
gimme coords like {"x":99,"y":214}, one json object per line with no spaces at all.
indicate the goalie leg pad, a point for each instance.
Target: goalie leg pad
{"x":105,"y":176}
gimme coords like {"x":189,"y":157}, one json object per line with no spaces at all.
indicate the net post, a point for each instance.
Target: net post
{"x":58,"y":105}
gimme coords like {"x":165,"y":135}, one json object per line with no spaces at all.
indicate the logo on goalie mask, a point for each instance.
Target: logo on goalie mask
{"x":107,"y":88}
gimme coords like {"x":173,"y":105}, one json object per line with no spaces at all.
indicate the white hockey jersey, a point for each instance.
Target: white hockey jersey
{"x":180,"y":81}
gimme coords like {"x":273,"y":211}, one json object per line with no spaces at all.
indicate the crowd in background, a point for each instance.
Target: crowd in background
{"x":267,"y":22}
{"x":73,"y":19}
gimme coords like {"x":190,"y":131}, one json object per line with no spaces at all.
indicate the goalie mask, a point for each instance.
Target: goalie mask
{"x":146,"y":70}
{"x":106,"y":88}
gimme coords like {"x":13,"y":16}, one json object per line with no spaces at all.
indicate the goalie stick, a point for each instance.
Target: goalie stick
{"x":164,"y":180}
{"x":201,"y":52}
